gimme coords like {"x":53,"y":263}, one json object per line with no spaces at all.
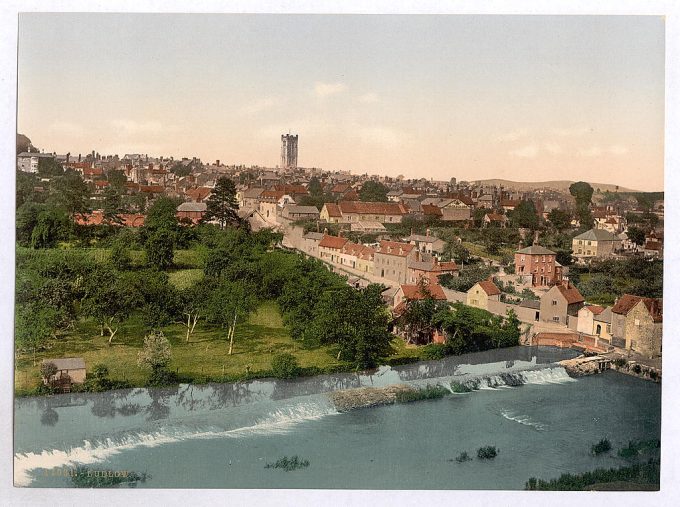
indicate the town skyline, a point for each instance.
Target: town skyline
{"x":580,"y":96}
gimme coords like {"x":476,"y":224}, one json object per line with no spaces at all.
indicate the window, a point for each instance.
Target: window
{"x":637,"y":322}
{"x":556,"y":319}
{"x":554,"y":302}
{"x":522,"y":258}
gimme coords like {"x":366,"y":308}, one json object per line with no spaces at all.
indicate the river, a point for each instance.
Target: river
{"x":223,"y":435}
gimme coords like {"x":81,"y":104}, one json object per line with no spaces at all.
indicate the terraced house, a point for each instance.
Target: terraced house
{"x":348,"y":212}
{"x":594,"y":243}
{"x":637,"y":324}
{"x":391,"y":260}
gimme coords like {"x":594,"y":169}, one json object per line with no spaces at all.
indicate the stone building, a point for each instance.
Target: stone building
{"x":637,"y":324}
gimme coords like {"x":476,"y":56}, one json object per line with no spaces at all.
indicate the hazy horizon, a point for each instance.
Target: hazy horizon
{"x":522,"y":98}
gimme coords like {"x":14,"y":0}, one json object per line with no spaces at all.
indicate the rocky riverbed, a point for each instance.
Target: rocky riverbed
{"x":364,"y":397}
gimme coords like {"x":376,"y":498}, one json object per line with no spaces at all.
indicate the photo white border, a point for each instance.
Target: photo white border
{"x":670,"y":469}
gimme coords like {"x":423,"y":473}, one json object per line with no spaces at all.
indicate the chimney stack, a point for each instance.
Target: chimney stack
{"x":79,"y":157}
{"x":325,"y":230}
{"x":427,"y":232}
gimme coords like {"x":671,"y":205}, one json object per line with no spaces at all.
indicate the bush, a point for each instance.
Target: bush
{"x":162,"y":377}
{"x":637,"y":369}
{"x":289,"y":464}
{"x":620,"y":362}
{"x":462,"y":457}
{"x":285,"y":366}
{"x":457,"y":387}
{"x":428,"y":393}
{"x":639,"y":474}
{"x":635,"y":448}
{"x":487,"y":452}
{"x":601,"y":447}
{"x":433,"y":351}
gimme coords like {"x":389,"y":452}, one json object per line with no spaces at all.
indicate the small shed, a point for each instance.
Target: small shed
{"x":70,"y":370}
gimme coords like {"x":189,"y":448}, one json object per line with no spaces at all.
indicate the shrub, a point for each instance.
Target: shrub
{"x":162,"y":377}
{"x":653,"y":375}
{"x":602,"y":446}
{"x":619,"y":362}
{"x":289,"y":464}
{"x":433,"y":351}
{"x":637,"y":369}
{"x":457,"y":387}
{"x":462,"y":457}
{"x":285,"y":366}
{"x":427,"y":393}
{"x":635,"y":448}
{"x":638,"y":474}
{"x":487,"y":452}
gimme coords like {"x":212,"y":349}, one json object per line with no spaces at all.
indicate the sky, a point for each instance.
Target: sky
{"x":526,"y":98}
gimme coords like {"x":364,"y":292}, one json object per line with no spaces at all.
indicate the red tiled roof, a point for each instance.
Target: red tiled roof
{"x":448,"y":266}
{"x":93,"y":171}
{"x":291,"y":189}
{"x":627,"y":302}
{"x":510,"y":203}
{"x":351,"y":196}
{"x":414,"y":292}
{"x":489,"y":287}
{"x":333,"y":209}
{"x":594,"y":309}
{"x":153,"y":189}
{"x":496,"y":217}
{"x":199,"y":193}
{"x":654,"y":245}
{"x":101,"y":183}
{"x":334,"y":242}
{"x":570,"y":293}
{"x":395,"y":248}
{"x":340,"y":188}
{"x":97,"y":218}
{"x":372,"y":208}
{"x":431,"y":209}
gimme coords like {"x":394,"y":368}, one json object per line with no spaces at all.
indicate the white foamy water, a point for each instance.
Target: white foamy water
{"x":276,"y":423}
{"x":522,"y":419}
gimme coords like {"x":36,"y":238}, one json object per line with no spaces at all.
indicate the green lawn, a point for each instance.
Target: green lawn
{"x":205,"y":356}
{"x":183,"y":278}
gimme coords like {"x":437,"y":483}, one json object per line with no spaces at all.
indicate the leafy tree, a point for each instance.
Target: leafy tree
{"x":47,"y":370}
{"x":159,"y":249}
{"x":525,"y":215}
{"x":314,"y":187}
{"x":34,"y":324}
{"x":51,"y":225}
{"x":26,"y":184}
{"x":71,"y":193}
{"x":120,"y":256}
{"x":116,"y":179}
{"x":355,"y":321}
{"x":559,"y":219}
{"x":230,"y":304}
{"x":107,"y":298}
{"x":418,"y":317}
{"x":193,"y":302}
{"x":582,"y":192}
{"x":112,"y":206}
{"x":636,"y":235}
{"x":49,"y":167}
{"x":373,"y":191}
{"x":24,"y":144}
{"x":221,"y":205}
{"x":156,"y":353}
{"x":162,"y":214}
{"x":455,"y":251}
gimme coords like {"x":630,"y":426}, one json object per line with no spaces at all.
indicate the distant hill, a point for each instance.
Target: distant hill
{"x":558,"y":185}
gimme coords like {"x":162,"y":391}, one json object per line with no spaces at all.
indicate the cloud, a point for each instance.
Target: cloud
{"x":572,"y":132}
{"x":67,"y":128}
{"x":553,"y":148}
{"x":529,"y":151}
{"x":132,"y":127}
{"x":593,"y":151}
{"x":327,"y":89}
{"x":369,"y":98}
{"x":514,"y":135}
{"x":618,"y":149}
{"x":260,"y":105}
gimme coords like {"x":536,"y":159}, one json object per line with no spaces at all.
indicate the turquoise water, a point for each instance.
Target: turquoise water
{"x":221,"y":436}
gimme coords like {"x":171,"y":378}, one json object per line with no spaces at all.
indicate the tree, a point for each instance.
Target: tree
{"x":582,"y":192}
{"x":34,"y":324}
{"x":559,"y":219}
{"x":373,"y":191}
{"x":314,"y":187}
{"x":353,"y":320}
{"x":26,"y":184}
{"x":418,"y":318}
{"x":162,"y":214}
{"x":193,"y":301}
{"x":156,"y":352}
{"x":120,"y":256}
{"x":636,"y":235}
{"x":52,"y":224}
{"x":71,"y":193}
{"x":24,"y":144}
{"x":116,"y":179}
{"x":47,"y":370}
{"x":525,"y":215}
{"x":285,"y":366}
{"x":229,"y":305}
{"x":222,"y":205}
{"x":49,"y":167}
{"x":107,"y":298}
{"x":455,"y":251}
{"x":112,"y":206}
{"x":159,"y":249}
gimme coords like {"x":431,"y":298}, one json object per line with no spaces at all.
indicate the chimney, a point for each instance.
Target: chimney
{"x":325,"y":230}
{"x":427,"y":232}
{"x":217,"y":163}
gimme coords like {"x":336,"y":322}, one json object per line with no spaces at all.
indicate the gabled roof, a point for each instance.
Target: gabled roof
{"x":570,"y":293}
{"x":535,"y":250}
{"x":489,"y":287}
{"x":597,"y":235}
{"x":433,"y":210}
{"x":594,"y":309}
{"x":305,"y":210}
{"x":334,"y":242}
{"x":627,"y":302}
{"x":333,"y":209}
{"x":395,"y":248}
{"x":192,"y":206}
{"x":315,"y":236}
{"x":496,"y":217}
{"x":415,"y":292}
{"x":252,"y":193}
{"x":421,"y":238}
{"x":530,"y":303}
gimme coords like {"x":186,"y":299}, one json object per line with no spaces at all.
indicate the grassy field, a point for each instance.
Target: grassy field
{"x":206,"y":355}
{"x":479,"y":251}
{"x":183,"y":278}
